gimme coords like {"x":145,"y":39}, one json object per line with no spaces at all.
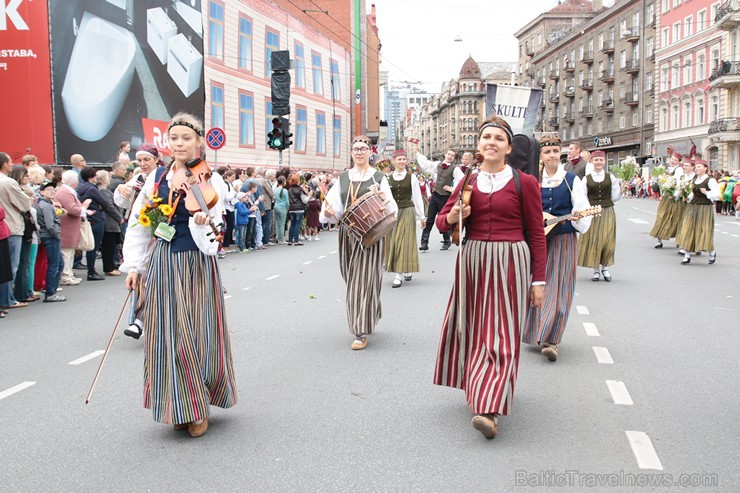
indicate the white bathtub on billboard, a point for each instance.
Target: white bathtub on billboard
{"x":184,"y":64}
{"x":98,"y":78}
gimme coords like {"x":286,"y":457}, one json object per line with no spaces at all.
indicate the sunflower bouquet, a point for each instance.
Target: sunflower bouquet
{"x":153,"y":212}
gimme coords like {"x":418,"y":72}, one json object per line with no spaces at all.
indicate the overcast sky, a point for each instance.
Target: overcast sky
{"x":418,"y":36}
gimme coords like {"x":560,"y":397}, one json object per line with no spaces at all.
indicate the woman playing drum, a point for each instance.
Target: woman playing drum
{"x":361,"y":266}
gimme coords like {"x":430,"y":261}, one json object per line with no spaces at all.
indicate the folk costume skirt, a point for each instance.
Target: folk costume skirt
{"x":596,"y":246}
{"x":401,"y":252}
{"x":362,"y":271}
{"x":187,"y":364}
{"x":696,"y":233}
{"x":668,"y":218}
{"x":481,"y":357}
{"x":546,"y":324}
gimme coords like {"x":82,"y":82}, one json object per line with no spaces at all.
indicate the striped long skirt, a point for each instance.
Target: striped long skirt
{"x":481,"y":357}
{"x":668,"y":218}
{"x":547,"y":323}
{"x":187,"y":364}
{"x":362,"y":271}
{"x":596,"y":246}
{"x":401,"y":252}
{"x":696,"y":233}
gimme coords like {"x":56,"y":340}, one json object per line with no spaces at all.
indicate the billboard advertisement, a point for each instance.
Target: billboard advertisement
{"x":515,"y":104}
{"x":26,"y":81}
{"x":121,"y":69}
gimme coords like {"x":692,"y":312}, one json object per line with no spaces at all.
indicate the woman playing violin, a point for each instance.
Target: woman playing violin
{"x":562,"y":193}
{"x":187,"y":359}
{"x":502,"y":272}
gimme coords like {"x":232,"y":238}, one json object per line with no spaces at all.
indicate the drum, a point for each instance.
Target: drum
{"x":368,"y":219}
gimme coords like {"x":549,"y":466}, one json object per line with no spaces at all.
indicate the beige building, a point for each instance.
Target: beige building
{"x":597,"y":74}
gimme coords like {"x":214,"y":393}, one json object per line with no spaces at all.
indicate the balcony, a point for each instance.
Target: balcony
{"x":554,"y":74}
{"x":554,"y":97}
{"x":608,"y":47}
{"x":651,"y":56}
{"x":587,"y":85}
{"x":569,"y":118}
{"x":529,"y":50}
{"x":542,"y":103}
{"x":553,"y":123}
{"x":607,"y":76}
{"x":726,"y":75}
{"x":541,"y":82}
{"x":529,"y":72}
{"x":631,"y":66}
{"x":631,"y":35}
{"x":587,"y":112}
{"x":630,"y":99}
{"x":725,"y":130}
{"x":570,"y":67}
{"x":728,"y":15}
{"x":607,"y":106}
{"x":570,"y":92}
{"x":587,"y":57}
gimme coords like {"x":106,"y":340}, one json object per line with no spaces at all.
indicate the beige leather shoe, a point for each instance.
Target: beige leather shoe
{"x":198,"y":429}
{"x":551,"y":351}
{"x":486,"y":424}
{"x":359,"y":343}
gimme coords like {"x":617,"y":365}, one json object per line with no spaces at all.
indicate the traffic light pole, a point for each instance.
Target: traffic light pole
{"x":280,"y":157}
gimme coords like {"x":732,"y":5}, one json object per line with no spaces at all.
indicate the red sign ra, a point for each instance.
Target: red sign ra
{"x":216,"y":138}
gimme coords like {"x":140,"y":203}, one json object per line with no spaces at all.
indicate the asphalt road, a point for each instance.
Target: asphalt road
{"x":314,"y":415}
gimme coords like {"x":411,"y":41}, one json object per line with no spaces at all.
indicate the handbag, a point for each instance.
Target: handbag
{"x":87,"y":241}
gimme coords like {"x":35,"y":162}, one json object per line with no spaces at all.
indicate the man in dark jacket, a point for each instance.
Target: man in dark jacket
{"x":575,"y":163}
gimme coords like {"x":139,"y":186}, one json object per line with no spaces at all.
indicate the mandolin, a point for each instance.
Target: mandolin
{"x":552,"y":221}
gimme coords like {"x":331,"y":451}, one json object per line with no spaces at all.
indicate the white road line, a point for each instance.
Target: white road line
{"x":228,"y":296}
{"x":247,"y":288}
{"x":724,"y":232}
{"x":591,"y":329}
{"x":619,"y":393}
{"x":272,"y":277}
{"x":335,"y":251}
{"x":322,"y":256}
{"x":582,"y":310}
{"x":309,"y":262}
{"x":638,"y":221}
{"x":87,"y":357}
{"x":643,"y":450}
{"x":735,"y":236}
{"x":602,"y":355}
{"x":17,"y":388}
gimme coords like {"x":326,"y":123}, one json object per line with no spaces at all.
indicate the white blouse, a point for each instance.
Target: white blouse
{"x":578,"y":196}
{"x":334,"y":196}
{"x":600,"y":176}
{"x":415,"y":193}
{"x":712,"y":188}
{"x":431,"y":167}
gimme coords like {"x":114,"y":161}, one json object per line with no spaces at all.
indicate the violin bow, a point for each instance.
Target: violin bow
{"x":460,"y":242}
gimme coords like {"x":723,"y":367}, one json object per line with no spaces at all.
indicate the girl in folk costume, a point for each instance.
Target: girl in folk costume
{"x":361,"y":267}
{"x":562,"y":193}
{"x":696,"y":233}
{"x":401,"y":255}
{"x":187,"y":362}
{"x":499,"y":273}
{"x":596,"y":246}
{"x":669,"y":208}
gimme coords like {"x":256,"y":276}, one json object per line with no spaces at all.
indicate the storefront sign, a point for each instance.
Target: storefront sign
{"x":602,"y":141}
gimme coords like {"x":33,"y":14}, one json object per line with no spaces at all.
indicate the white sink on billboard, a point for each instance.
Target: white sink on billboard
{"x":184,"y":64}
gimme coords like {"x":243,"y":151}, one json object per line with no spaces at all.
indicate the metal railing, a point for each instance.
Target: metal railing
{"x":725,"y":68}
{"x":726,"y":8}
{"x":724,"y":125}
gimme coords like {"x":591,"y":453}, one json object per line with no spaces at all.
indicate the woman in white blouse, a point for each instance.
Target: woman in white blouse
{"x":596,"y":246}
{"x":696,"y":233}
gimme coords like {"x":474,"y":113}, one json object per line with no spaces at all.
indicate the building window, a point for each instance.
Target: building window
{"x":246,"y":119}
{"x":245,"y":43}
{"x":687,"y":26}
{"x":676,"y":3}
{"x":663,"y":119}
{"x":700,"y":112}
{"x":715,"y":108}
{"x":636,"y":22}
{"x":622,"y":121}
{"x":649,"y":81}
{"x":674,"y":117}
{"x":648,"y":146}
{"x":666,"y":6}
{"x":700,"y":67}
{"x":337,"y":136}
{"x":650,"y":13}
{"x":300,"y":65}
{"x":648,"y":115}
{"x":318,"y":79}
{"x":650,"y":47}
{"x":676,"y":32}
{"x":687,"y":71}
{"x":320,"y":133}
{"x":701,"y":20}
{"x":272,"y":43}
{"x":301,"y":129}
{"x":676,"y":76}
{"x":713,"y":15}
{"x":623,"y":59}
{"x":664,"y":38}
{"x":635,"y":118}
{"x":335,"y":81}
{"x":216,"y":29}
{"x":217,"y":105}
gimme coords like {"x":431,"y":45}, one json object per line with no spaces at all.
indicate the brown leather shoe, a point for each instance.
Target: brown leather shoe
{"x":359,"y":343}
{"x":486,"y":424}
{"x":551,"y":351}
{"x":198,"y":429}
{"x":181,"y":426}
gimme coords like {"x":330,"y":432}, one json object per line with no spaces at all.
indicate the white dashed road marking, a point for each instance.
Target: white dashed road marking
{"x":335,"y":251}
{"x":309,"y":262}
{"x":619,"y":393}
{"x":638,"y":221}
{"x":247,"y":288}
{"x":322,"y":256}
{"x":644,"y":451}
{"x":17,"y":388}
{"x":602,"y":355}
{"x":227,"y":296}
{"x":272,"y":277}
{"x":87,"y":357}
{"x":591,"y":329}
{"x":582,"y":310}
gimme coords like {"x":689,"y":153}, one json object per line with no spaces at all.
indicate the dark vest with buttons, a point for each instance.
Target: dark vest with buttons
{"x":557,"y":201}
{"x":401,"y":190}
{"x":444,"y":178}
{"x":183,"y":240}
{"x":600,"y":193}
{"x":376,"y":177}
{"x":699,"y":198}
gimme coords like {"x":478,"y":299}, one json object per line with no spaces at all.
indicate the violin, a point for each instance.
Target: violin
{"x":466,"y":192}
{"x":199,"y":195}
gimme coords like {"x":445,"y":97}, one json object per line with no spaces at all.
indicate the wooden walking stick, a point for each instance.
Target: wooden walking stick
{"x":110,"y":342}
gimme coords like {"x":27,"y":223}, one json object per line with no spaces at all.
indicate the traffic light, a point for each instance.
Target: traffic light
{"x":275,"y":136}
{"x":285,"y":125}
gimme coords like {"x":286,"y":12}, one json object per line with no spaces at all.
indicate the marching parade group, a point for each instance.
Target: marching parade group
{"x":520,"y":239}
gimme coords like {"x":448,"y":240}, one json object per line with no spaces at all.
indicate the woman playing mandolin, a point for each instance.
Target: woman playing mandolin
{"x":500,"y":272}
{"x":172,"y":241}
{"x":563,"y":193}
